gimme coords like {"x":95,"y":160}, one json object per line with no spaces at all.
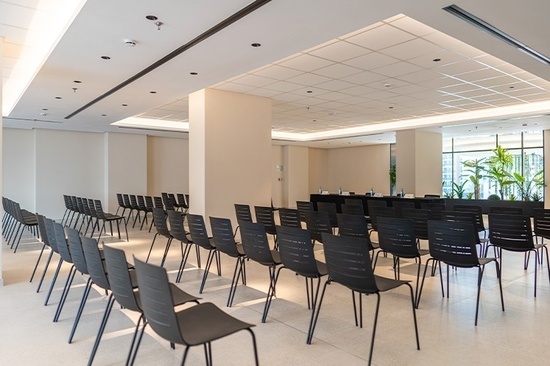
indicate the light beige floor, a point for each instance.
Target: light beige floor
{"x":447,"y":332}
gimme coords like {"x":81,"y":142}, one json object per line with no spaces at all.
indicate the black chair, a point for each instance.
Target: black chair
{"x":123,"y":285}
{"x":65,"y":254}
{"x":135,"y":207}
{"x":256,"y":248}
{"x":183,"y":202}
{"x":396,"y":236}
{"x":198,"y":325}
{"x":432,"y":196}
{"x":541,"y":221}
{"x":506,"y":210}
{"x":121,"y":204}
{"x":199,"y":236}
{"x":265,"y":216}
{"x":317,"y":222}
{"x":303,"y":207}
{"x":45,"y":243}
{"x":177,"y":231}
{"x":142,"y":207}
{"x":513,"y":233}
{"x":290,"y":217}
{"x":168,"y":201}
{"x":480,"y":225}
{"x":349,"y":264}
{"x":242,"y":212}
{"x":222,"y":235}
{"x":398,"y":206}
{"x":420,"y":219}
{"x":128,"y":205}
{"x":352,"y":209}
{"x":371,"y":203}
{"x":467,"y":218}
{"x":162,"y":229}
{"x":453,"y":243}
{"x":53,"y":243}
{"x":435,"y":210}
{"x":107,"y":217}
{"x":298,"y":256}
{"x":379,"y":211}
{"x":355,"y":226}
{"x":330,"y":208}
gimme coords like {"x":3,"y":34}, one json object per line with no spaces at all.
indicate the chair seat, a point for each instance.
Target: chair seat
{"x":181,"y":297}
{"x":322,"y":268}
{"x":386,"y":284}
{"x":110,"y":217}
{"x":206,"y":322}
{"x":276,"y":256}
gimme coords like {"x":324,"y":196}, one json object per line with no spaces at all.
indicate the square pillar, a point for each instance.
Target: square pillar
{"x":229,"y":152}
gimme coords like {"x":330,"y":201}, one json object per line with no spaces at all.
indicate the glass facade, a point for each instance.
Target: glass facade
{"x":462,"y":155}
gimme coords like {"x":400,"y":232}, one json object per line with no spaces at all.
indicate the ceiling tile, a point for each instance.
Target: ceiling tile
{"x":410,"y":25}
{"x":364,"y":78}
{"x":253,"y":80}
{"x":337,"y":71}
{"x":284,"y":86}
{"x":278,"y":72}
{"x":335,"y":85}
{"x":412,"y":49}
{"x":371,"y":61}
{"x":306,"y":63}
{"x":397,"y":69}
{"x":340,"y":51}
{"x":380,"y":37}
{"x":308,"y":79}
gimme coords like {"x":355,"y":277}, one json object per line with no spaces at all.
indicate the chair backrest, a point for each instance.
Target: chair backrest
{"x":317,"y":222}
{"x":380,"y":211}
{"x":74,"y":203}
{"x":198,"y":232}
{"x":119,"y":199}
{"x":435,"y":210}
{"x":353,"y":202}
{"x":352,"y":209}
{"x":264,"y":215}
{"x":330,"y":208}
{"x":48,"y":223}
{"x":398,"y":206}
{"x":75,"y":246}
{"x":94,"y":262}
{"x":506,"y":210}
{"x":353,"y":225}
{"x":86,"y":207}
{"x":133,"y":201}
{"x":510,"y":231}
{"x":79,"y":204}
{"x":156,"y":301}
{"x":473,"y":209}
{"x":303,"y":207}
{"x":432,"y":196}
{"x":541,"y":218}
{"x":181,"y":200}
{"x":42,"y":229}
{"x":420,"y":218}
{"x":255,"y":243}
{"x":61,"y":242}
{"x":126,"y":199}
{"x":461,"y":216}
{"x":141,"y":203}
{"x":453,"y":243}
{"x":348,"y":262}
{"x":91,"y":207}
{"x":290,"y":217}
{"x":119,"y":278}
{"x":67,"y":201}
{"x":243,"y":213}
{"x":371,"y":203}
{"x":176,"y":225}
{"x":168,"y":202}
{"x":396,"y":236}
{"x":149,"y":203}
{"x":99,"y":209}
{"x":158,"y":202}
{"x":222,"y":235}
{"x":296,"y":251}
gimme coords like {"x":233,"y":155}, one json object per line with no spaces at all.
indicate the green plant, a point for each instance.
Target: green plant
{"x":476,"y":168}
{"x":536,"y":197}
{"x":458,"y":189}
{"x":512,"y":197}
{"x":497,"y":168}
{"x":393,"y":175}
{"x":494,"y":197}
{"x":470,"y":195}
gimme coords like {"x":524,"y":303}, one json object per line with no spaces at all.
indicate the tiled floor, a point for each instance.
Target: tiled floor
{"x":447,"y":332}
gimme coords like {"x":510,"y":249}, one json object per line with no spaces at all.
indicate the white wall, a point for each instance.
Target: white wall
{"x":18,"y":166}
{"x":167,"y":165}
{"x":67,"y":163}
{"x":125,"y":167}
{"x":277,"y":177}
{"x":357,"y":169}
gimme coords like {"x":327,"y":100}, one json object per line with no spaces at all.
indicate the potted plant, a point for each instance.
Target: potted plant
{"x":393,"y":178}
{"x":476,"y":168}
{"x":497,"y":168}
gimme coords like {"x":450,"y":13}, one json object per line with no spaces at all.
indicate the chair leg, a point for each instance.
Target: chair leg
{"x":37,"y":262}
{"x":354,"y":308}
{"x":45,"y":270}
{"x":65,"y":293}
{"x":374,"y":326}
{"x":211,"y":256}
{"x":536,"y":265}
{"x":499,"y":284}
{"x":479,"y":279}
{"x":166,"y":250}
{"x":184,"y":255}
{"x":235,"y":280}
{"x":185,"y":355}
{"x":417,"y":279}
{"x":313,"y":305}
{"x":422,"y":283}
{"x":132,"y":360}
{"x":318,"y":309}
{"x":108,"y":308}
{"x":414,"y":317}
{"x":81,"y":307}
{"x":256,"y":361}
{"x":133,"y":346}
{"x":54,"y":278}
{"x":151,"y":248}
{"x":273,"y":276}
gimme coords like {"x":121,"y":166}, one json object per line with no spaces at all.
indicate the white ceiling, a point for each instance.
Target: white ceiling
{"x":364,"y":62}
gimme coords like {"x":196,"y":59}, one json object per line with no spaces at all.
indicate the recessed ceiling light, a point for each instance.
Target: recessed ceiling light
{"x":129,"y":43}
{"x":125,"y":105}
{"x":255,"y":44}
{"x":436,"y":60}
{"x":309,"y":91}
{"x":194,"y":73}
{"x":58,"y":98}
{"x":104,"y":115}
{"x":390,"y":107}
{"x":77,"y":81}
{"x":153,"y":92}
{"x":151,"y":17}
{"x":44,"y":109}
{"x":512,"y":87}
{"x":314,"y":120}
{"x":105,"y":57}
{"x":387,"y":85}
{"x":524,"y":125}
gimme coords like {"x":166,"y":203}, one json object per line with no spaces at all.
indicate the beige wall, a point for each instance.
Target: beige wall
{"x":167,"y":165}
{"x":358,"y":169}
{"x":125,"y":166}
{"x":296,"y":175}
{"x":18,"y":163}
{"x":277,"y":176}
{"x":318,"y":170}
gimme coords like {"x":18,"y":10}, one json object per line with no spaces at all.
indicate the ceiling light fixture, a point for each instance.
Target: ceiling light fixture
{"x":124,"y":105}
{"x":193,"y":73}
{"x":129,"y":43}
{"x":436,"y":60}
{"x":309,"y":91}
{"x":77,"y":81}
{"x":58,"y":98}
{"x":153,"y":92}
{"x":105,"y":57}
{"x":255,"y":44}
{"x":483,"y":25}
{"x":151,"y":17}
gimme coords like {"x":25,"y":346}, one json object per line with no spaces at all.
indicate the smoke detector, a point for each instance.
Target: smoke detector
{"x":129,"y":43}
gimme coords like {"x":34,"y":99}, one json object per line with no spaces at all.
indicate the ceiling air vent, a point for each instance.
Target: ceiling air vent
{"x":483,"y":25}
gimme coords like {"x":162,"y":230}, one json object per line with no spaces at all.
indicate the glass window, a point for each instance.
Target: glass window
{"x":533,"y":139}
{"x":512,"y":141}
{"x":473,"y":143}
{"x":447,"y":145}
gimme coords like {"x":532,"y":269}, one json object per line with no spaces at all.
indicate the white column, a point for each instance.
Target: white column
{"x":125,"y":166}
{"x":418,"y":162}
{"x":546,"y":168}
{"x":229,"y":152}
